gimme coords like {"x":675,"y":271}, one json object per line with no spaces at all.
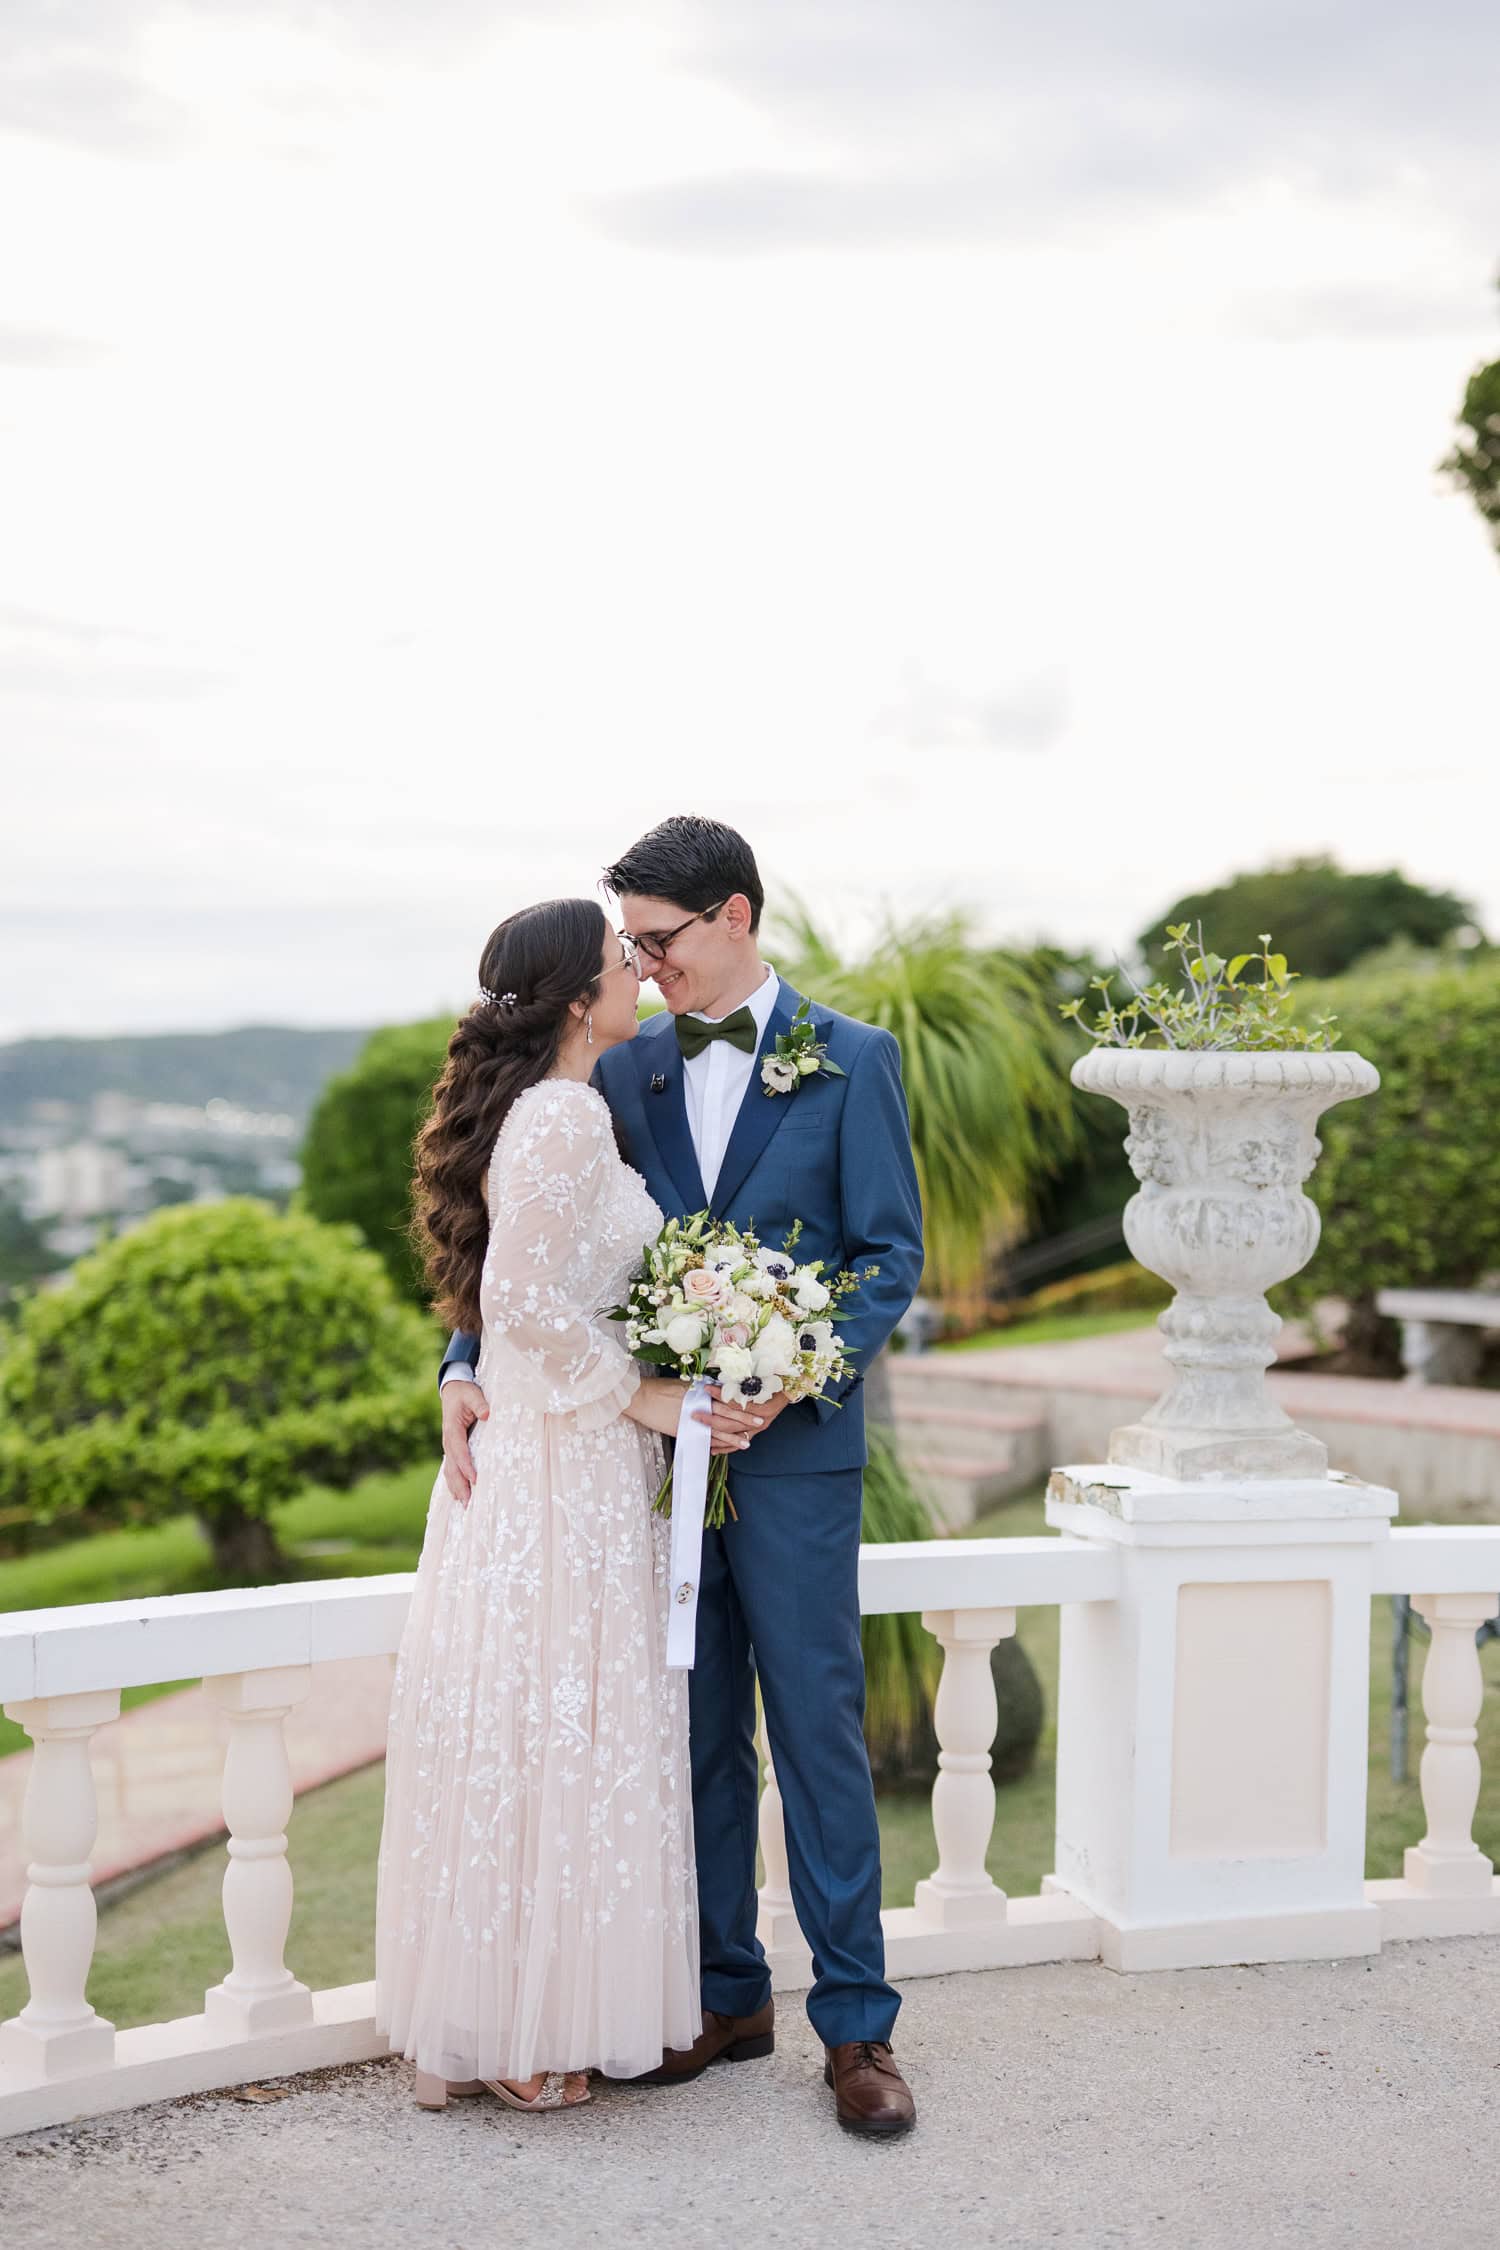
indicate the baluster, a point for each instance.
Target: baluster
{"x":57,"y":2034}
{"x":260,"y":1993}
{"x":961,"y":1892}
{"x":776,"y":1923}
{"x":1448,"y":1863}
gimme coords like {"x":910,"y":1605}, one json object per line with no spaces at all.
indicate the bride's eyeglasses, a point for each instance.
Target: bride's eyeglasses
{"x":629,"y":957}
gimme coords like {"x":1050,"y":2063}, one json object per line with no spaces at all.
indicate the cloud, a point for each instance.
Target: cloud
{"x":1365,"y":312}
{"x":1029,"y":715}
{"x":41,"y":347}
{"x":960,"y":121}
{"x":47,"y":656}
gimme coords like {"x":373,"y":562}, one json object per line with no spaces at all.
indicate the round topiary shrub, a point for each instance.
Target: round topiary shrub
{"x":216,"y":1359}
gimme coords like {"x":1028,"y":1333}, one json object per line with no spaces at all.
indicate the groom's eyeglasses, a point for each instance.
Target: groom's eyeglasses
{"x":654,"y":944}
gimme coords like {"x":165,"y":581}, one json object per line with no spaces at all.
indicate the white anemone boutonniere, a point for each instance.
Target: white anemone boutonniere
{"x":798,"y":1055}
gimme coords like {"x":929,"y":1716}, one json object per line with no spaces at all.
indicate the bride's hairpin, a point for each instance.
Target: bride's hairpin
{"x":497,"y":999}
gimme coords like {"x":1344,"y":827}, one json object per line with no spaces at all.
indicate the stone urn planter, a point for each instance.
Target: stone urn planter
{"x":1221,"y":1141}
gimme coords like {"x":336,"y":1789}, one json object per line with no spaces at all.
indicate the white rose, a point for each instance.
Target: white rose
{"x":733,"y":1362}
{"x":775,"y":1348}
{"x":684,"y":1334}
{"x":779,"y":1073}
{"x":809,"y":1292}
{"x":743,"y":1309}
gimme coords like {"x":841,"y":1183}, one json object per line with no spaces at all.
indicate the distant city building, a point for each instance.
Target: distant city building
{"x":81,"y":1180}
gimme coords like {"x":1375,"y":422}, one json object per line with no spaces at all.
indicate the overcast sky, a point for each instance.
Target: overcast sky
{"x":986,"y":452}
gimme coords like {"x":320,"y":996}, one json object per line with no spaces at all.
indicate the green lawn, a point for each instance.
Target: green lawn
{"x":160,"y":1946}
{"x":1053,"y":1328}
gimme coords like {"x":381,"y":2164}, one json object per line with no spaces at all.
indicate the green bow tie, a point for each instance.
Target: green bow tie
{"x":693,"y":1034}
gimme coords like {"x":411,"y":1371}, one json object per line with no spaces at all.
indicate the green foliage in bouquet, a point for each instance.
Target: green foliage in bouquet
{"x":1218,"y":1006}
{"x":216,"y":1359}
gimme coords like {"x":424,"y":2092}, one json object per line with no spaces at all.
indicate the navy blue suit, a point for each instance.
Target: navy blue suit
{"x":778,"y":1588}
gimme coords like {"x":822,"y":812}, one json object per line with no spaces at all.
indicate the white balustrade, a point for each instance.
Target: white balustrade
{"x":961,"y":1893}
{"x":1155,"y":1604}
{"x":260,"y":1993}
{"x":57,"y":2033}
{"x":1448,"y":1863}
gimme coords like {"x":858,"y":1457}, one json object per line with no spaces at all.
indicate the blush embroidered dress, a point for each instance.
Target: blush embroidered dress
{"x":536,"y":1907}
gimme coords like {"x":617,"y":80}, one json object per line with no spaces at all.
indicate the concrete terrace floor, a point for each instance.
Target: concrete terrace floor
{"x":1348,"y":2102}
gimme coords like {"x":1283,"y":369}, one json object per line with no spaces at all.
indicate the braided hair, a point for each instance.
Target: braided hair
{"x":532,"y":966}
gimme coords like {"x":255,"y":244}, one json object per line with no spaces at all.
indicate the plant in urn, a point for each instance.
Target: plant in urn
{"x":1223,"y":1093}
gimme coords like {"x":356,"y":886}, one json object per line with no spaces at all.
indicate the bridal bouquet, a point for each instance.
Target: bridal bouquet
{"x":712,"y":1302}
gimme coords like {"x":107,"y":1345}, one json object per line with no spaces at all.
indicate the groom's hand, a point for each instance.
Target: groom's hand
{"x":464,"y":1404}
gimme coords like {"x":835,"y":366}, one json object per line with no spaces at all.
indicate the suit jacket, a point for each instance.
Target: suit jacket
{"x":836,"y":1153}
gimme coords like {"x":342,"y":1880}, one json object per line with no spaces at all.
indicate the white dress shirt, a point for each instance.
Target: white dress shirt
{"x":714,"y":1083}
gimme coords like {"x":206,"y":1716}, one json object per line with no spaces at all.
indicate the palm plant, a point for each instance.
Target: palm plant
{"x":985,"y":1066}
{"x":903,"y":1663}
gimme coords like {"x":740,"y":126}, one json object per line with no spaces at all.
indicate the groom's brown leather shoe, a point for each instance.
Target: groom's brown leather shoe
{"x":869,"y":2092}
{"x":722,"y":2039}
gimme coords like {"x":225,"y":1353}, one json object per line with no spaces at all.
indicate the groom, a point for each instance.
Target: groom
{"x":778,"y":1595}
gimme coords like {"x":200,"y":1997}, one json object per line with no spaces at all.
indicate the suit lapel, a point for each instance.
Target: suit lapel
{"x":659,"y":1056}
{"x":759,"y":1112}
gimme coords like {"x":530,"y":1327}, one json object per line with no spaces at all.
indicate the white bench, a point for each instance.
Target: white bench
{"x":1441,"y":1330}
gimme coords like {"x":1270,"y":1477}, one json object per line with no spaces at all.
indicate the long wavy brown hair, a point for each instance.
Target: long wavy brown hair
{"x":546,"y":956}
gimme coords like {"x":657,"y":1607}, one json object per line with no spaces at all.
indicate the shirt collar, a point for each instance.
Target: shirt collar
{"x":761,"y":1003}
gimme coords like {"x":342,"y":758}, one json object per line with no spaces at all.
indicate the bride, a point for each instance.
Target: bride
{"x":536,"y":1910}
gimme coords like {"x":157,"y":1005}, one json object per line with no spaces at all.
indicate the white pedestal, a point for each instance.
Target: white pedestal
{"x":1213,"y":1721}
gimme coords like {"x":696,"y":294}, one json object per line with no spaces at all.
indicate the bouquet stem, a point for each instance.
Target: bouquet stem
{"x":718,"y":1494}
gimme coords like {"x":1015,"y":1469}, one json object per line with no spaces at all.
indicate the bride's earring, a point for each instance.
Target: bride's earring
{"x":588,"y":1023}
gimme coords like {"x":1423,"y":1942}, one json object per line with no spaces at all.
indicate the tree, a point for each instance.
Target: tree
{"x":1474,"y":464}
{"x":985,"y":1063}
{"x":217,"y":1358}
{"x":1322,"y":917}
{"x":356,"y":1159}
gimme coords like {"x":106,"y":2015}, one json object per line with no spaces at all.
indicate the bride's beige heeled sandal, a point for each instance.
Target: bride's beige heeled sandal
{"x":552,"y":2093}
{"x":432,"y":2092}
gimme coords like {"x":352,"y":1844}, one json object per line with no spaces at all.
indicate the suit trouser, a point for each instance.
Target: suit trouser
{"x":779,"y":1595}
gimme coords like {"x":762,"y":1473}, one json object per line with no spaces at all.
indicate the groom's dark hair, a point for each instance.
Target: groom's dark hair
{"x":693,"y":862}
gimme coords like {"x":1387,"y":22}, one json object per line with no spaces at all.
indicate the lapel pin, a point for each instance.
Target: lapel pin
{"x":658,"y":1083}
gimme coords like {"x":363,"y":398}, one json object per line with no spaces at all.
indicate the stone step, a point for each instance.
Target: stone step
{"x":983,"y":1433}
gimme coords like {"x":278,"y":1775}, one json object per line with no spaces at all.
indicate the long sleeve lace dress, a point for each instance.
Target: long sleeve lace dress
{"x":536,"y":1907}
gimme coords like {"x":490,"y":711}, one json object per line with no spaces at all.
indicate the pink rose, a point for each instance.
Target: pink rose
{"x":703,"y":1287}
{"x":736,"y":1333}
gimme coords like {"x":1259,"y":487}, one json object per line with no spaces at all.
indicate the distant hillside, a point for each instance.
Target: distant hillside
{"x":265,"y":1066}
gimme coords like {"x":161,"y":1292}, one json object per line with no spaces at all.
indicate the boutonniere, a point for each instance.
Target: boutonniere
{"x":797,"y":1056}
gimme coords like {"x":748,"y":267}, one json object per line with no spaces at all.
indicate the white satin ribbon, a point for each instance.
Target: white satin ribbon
{"x":689,"y":1499}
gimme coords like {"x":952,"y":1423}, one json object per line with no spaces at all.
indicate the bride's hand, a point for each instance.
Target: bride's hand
{"x":657,"y":1405}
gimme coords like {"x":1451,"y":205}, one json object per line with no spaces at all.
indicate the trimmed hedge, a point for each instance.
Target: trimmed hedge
{"x":1408,"y":1184}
